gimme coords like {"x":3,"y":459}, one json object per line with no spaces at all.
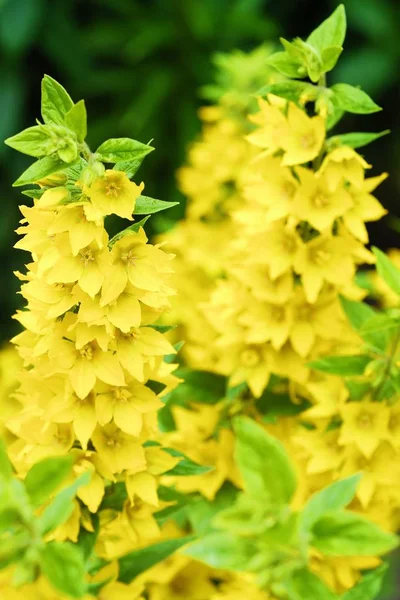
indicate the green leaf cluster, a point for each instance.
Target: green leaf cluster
{"x":259,"y":532}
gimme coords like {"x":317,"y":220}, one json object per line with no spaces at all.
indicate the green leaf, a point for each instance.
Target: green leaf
{"x":387,"y":270}
{"x":63,"y":565}
{"x":222,"y":551}
{"x":330,"y":57}
{"x":56,"y":101}
{"x":355,"y":140}
{"x":76,"y":119}
{"x":331,"y":32}
{"x":199,"y":386}
{"x":6,"y":470}
{"x":35,"y":141}
{"x":368,"y":587}
{"x":45,"y":476}
{"x":202,"y":512}
{"x":115,"y":496}
{"x":132,"y":228}
{"x":145,"y":205}
{"x":39,"y":170}
{"x":335,"y":496}
{"x":130,"y":167}
{"x":304,"y":585}
{"x":61,"y":507}
{"x":287,"y":65}
{"x":260,"y":457}
{"x":359,"y":314}
{"x":122,"y":149}
{"x":290,"y":90}
{"x":133,"y":564}
{"x":87,"y":540}
{"x":342,"y":365}
{"x":345,"y":533}
{"x":34,"y":193}
{"x":353,"y":100}
{"x":186,"y":466}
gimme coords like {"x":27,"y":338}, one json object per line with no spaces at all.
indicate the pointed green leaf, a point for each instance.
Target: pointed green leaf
{"x":56,"y":101}
{"x":353,"y":100}
{"x":342,"y":365}
{"x":145,"y":205}
{"x":130,"y":167}
{"x":222,"y":551}
{"x":368,"y":587}
{"x":290,"y":90}
{"x":287,"y":65}
{"x":355,"y":140}
{"x":331,"y":32}
{"x":186,"y":466}
{"x":45,"y":476}
{"x":34,"y":193}
{"x":329,"y":57}
{"x":387,"y":270}
{"x":122,"y":149}
{"x":132,"y":228}
{"x":63,"y":565}
{"x":304,"y":585}
{"x":35,"y":141}
{"x":335,"y":496}
{"x":260,"y":458}
{"x":61,"y":507}
{"x":133,"y":564}
{"x":345,"y":533}
{"x":40,"y":169}
{"x":76,"y":119}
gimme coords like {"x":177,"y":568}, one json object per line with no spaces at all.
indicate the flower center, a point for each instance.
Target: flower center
{"x":320,"y":201}
{"x":250,"y":357}
{"x":86,"y":256}
{"x":112,"y":189}
{"x":308,"y":141}
{"x":128,"y":257}
{"x":86,"y":352}
{"x":365,"y":421}
{"x":121,"y":394}
{"x":321,"y":257}
{"x":289,"y":243}
{"x":288,"y":190}
{"x":277,"y":314}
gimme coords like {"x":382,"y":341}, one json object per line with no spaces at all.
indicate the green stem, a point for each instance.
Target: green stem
{"x":389,"y":363}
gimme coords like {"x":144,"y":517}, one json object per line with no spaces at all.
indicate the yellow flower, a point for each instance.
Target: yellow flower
{"x":366,"y":208}
{"x":343,"y":164}
{"x":303,"y":138}
{"x":118,"y":450}
{"x":316,"y":203}
{"x":325,"y":258}
{"x":114,"y":194}
{"x":278,"y":249}
{"x":273,"y":126}
{"x":81,"y":231}
{"x":365,"y":424}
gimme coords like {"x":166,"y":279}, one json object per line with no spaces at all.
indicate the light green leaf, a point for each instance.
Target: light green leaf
{"x":45,"y":476}
{"x":290,"y":90}
{"x":353,"y":100}
{"x":61,"y":507}
{"x":122,"y":149}
{"x":342,"y":365}
{"x":330,"y":57}
{"x":35,"y":193}
{"x":6,"y":469}
{"x":345,"y":533}
{"x":40,"y":169}
{"x":34,"y":141}
{"x":186,"y":466}
{"x":335,"y":496}
{"x":130,"y":167}
{"x":63,"y":565}
{"x":304,"y":585}
{"x":287,"y":65}
{"x":56,"y":101}
{"x":359,"y":314}
{"x":260,"y":457}
{"x":331,"y":32}
{"x":145,"y":205}
{"x":76,"y":119}
{"x":222,"y":551}
{"x":132,"y":228}
{"x":133,"y":564}
{"x":355,"y":140}
{"x":202,"y":512}
{"x":199,"y":386}
{"x":368,"y":587}
{"x":387,"y":270}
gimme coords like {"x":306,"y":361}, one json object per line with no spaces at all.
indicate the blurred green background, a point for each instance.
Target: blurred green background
{"x":139,"y":65}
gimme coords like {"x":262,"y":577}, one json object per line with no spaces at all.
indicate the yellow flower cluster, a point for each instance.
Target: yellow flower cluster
{"x":293,"y":236}
{"x":89,"y":349}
